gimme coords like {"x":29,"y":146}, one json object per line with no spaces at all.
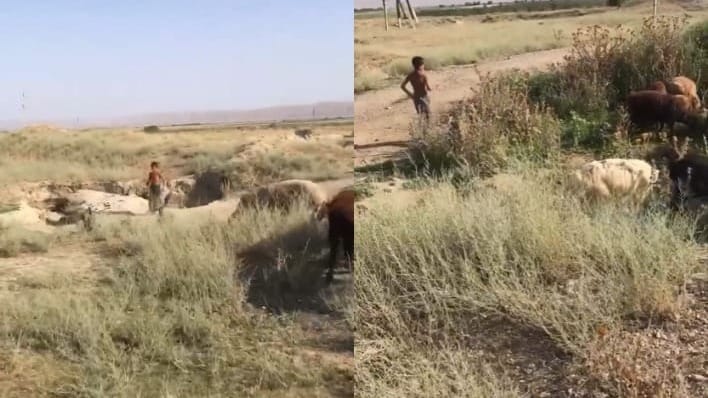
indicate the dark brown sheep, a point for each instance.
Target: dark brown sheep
{"x":340,"y":213}
{"x":648,"y":107}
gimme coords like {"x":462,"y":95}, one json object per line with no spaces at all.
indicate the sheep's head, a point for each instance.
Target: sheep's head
{"x":321,"y":211}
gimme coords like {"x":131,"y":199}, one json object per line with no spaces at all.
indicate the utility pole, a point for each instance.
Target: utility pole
{"x":398,"y":13}
{"x":402,"y":13}
{"x":412,"y":11}
{"x":656,"y":6}
{"x":385,"y":14}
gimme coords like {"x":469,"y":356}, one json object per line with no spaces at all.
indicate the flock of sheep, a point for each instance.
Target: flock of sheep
{"x":662,"y":104}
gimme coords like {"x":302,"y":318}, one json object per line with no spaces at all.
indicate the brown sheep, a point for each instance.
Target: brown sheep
{"x":658,"y":86}
{"x":649,"y":107}
{"x":685,"y":86}
{"x":340,"y":213}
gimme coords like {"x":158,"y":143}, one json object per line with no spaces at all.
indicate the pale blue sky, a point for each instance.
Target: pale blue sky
{"x":88,"y":59}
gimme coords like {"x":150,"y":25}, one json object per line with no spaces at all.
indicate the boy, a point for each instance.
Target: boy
{"x":154,"y":181}
{"x":419,"y":81}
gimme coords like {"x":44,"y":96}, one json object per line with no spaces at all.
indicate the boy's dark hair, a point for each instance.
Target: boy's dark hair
{"x":417,"y":61}
{"x":154,"y":164}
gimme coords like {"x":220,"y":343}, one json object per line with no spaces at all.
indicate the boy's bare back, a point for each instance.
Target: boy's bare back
{"x":419,"y":81}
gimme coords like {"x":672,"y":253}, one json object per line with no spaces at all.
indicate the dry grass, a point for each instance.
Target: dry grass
{"x":510,"y":287}
{"x":15,"y":240}
{"x":444,"y":286}
{"x":63,"y":156}
{"x":380,"y":55}
{"x":169,"y":316}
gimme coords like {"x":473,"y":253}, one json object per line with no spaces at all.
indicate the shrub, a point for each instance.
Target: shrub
{"x":577,"y":103}
{"x":605,"y":64}
{"x":151,"y":129}
{"x":487,"y":131}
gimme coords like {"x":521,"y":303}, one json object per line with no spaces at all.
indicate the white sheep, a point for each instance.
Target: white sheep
{"x":619,"y":178}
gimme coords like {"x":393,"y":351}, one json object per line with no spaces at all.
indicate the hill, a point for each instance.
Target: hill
{"x":320,"y":110}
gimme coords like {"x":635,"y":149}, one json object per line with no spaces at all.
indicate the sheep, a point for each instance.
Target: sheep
{"x":679,"y":85}
{"x":340,"y":214}
{"x":685,"y":86}
{"x":688,"y":172}
{"x":623,"y":178}
{"x":649,"y":107}
{"x":658,"y":86}
{"x":283,"y":195}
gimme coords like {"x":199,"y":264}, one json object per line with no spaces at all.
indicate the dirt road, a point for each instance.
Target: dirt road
{"x":383,"y":117}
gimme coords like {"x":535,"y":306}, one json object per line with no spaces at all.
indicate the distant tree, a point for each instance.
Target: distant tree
{"x":151,"y":129}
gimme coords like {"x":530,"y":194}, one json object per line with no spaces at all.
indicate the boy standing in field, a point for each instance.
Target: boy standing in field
{"x":154,"y":182}
{"x":419,"y":81}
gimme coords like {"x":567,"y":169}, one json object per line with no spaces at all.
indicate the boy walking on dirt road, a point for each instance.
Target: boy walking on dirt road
{"x":419,"y":81}
{"x":154,"y":183}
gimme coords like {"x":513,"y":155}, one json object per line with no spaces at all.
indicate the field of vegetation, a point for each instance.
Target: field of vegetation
{"x":489,"y":278}
{"x":453,"y":37}
{"x":45,"y":153}
{"x":187,"y":304}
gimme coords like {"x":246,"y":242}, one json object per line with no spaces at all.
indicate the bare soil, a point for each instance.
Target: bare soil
{"x":383,"y":117}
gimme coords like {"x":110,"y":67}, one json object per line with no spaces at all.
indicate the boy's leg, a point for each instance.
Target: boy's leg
{"x":154,"y":197}
{"x":418,"y":105}
{"x":425,"y":101}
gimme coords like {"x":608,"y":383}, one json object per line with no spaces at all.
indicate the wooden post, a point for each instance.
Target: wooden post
{"x":405,"y":14}
{"x":398,"y":12}
{"x":412,"y":11}
{"x":656,"y":6}
{"x":385,"y":14}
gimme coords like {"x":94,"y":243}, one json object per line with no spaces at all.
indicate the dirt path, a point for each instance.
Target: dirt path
{"x":382,"y":117}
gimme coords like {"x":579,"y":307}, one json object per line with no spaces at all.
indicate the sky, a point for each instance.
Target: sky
{"x":92,"y":59}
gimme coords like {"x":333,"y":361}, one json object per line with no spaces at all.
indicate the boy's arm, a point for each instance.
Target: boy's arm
{"x":403,"y":87}
{"x":427,"y":86}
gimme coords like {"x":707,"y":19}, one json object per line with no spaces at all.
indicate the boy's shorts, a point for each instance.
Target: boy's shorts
{"x":422,"y":105}
{"x":154,"y":200}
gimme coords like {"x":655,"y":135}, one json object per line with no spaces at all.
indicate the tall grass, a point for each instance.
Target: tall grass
{"x":427,"y":276}
{"x":15,"y":240}
{"x":170,"y":317}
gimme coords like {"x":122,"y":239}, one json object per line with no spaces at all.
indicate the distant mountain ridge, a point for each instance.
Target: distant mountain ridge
{"x":319,"y":110}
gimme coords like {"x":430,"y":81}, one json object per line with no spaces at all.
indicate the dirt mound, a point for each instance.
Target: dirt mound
{"x":25,"y":216}
{"x":103,"y":202}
